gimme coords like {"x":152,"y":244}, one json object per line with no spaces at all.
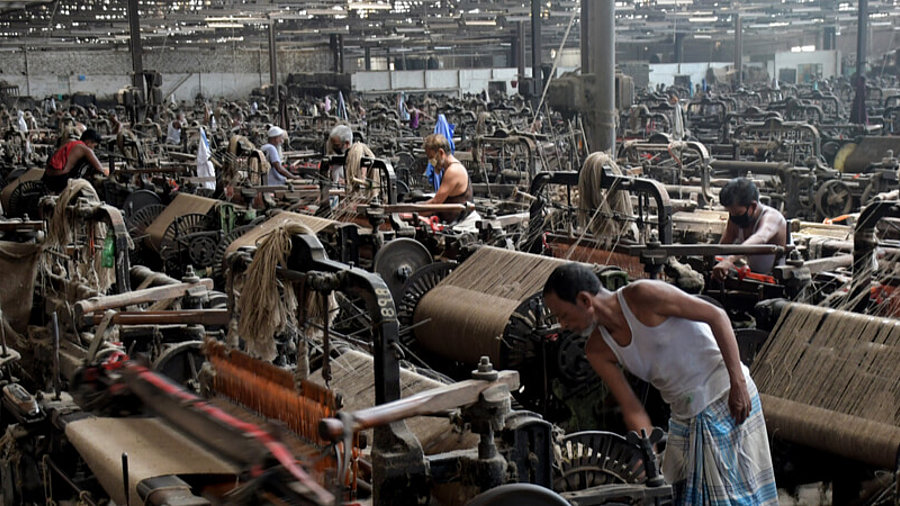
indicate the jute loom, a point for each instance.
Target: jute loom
{"x":184,"y":203}
{"x":466,"y":315}
{"x":354,"y":378}
{"x":829,"y":380}
{"x":29,"y":175}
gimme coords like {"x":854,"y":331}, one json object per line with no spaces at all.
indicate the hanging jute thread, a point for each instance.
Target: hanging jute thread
{"x":266,"y":306}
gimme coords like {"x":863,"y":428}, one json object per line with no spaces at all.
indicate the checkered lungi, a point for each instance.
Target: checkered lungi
{"x":711,"y":461}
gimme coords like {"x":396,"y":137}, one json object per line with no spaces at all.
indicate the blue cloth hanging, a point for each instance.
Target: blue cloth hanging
{"x":446,"y":129}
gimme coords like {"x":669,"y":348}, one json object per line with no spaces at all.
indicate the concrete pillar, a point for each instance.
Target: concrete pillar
{"x":536,"y":49}
{"x":137,"y":51}
{"x":368,"y":58}
{"x":738,"y":49}
{"x":598,"y":59}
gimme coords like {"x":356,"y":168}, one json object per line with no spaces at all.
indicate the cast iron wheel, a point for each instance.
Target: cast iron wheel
{"x":591,"y":458}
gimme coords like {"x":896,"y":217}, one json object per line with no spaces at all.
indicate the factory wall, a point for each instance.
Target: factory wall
{"x":231,"y":73}
{"x":455,"y":82}
{"x":806,"y":64}
{"x":664,"y":73}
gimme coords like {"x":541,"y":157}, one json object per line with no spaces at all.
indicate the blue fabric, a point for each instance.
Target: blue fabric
{"x":342,"y":108}
{"x":446,"y":129}
{"x":741,"y":472}
{"x":401,"y":108}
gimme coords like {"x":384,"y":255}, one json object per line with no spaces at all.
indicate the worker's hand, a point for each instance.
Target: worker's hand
{"x":739,"y":401}
{"x":720,"y":271}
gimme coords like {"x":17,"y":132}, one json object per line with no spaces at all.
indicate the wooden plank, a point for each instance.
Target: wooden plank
{"x":154,"y":294}
{"x":431,"y":401}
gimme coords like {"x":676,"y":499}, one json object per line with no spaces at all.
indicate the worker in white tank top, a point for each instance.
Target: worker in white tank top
{"x":749,"y":223}
{"x":685,"y":347}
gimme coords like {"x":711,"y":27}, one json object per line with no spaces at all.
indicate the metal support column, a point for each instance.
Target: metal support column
{"x":519,"y":55}
{"x":137,"y":51}
{"x":738,"y":49}
{"x":598,"y":60}
{"x":862,"y":30}
{"x":536,"y":50}
{"x":27,"y":70}
{"x":273,"y":55}
{"x":679,"y":48}
{"x":368,"y":58}
{"x":337,"y":50}
{"x":829,"y":38}
{"x":858,"y":109}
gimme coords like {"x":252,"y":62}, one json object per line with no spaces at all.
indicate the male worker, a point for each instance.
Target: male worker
{"x":72,"y":160}
{"x":749,"y":222}
{"x":717,"y":451}
{"x":455,"y":185}
{"x":339,"y":141}
{"x":678,"y":130}
{"x":278,"y":174}
{"x":173,"y":134}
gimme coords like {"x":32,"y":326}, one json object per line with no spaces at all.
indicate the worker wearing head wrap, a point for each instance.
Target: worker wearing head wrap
{"x":278,"y":173}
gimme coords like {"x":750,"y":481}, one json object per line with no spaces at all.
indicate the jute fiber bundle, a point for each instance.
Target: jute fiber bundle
{"x":265,"y":305}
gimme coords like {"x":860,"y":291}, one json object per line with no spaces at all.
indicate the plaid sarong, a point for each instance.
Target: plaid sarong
{"x":711,"y":461}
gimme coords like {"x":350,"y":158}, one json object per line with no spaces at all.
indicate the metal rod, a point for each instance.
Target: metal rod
{"x":83,"y":495}
{"x":3,"y":335}
{"x":125,"y":478}
{"x":56,"y":354}
{"x":326,"y":343}
{"x":738,"y":49}
{"x":184,"y":316}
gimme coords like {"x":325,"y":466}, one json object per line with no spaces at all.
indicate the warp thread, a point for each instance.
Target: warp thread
{"x":835,"y":360}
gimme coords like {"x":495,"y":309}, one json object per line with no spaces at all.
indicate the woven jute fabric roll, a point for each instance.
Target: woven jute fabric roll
{"x":466,"y":314}
{"x":845,"y":435}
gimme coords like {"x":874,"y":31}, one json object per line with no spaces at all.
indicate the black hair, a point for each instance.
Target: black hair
{"x":739,"y":191}
{"x":91,"y":135}
{"x":568,"y":280}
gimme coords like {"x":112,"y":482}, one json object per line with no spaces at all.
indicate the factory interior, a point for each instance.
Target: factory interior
{"x":449,"y":252}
